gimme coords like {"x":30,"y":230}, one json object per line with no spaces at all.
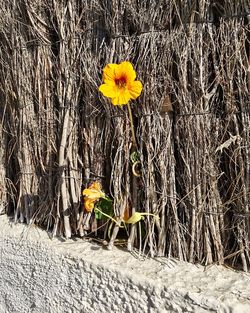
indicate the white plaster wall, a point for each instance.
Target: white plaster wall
{"x":40,"y":275}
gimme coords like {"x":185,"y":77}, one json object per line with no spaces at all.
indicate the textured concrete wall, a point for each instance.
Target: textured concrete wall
{"x":40,"y":275}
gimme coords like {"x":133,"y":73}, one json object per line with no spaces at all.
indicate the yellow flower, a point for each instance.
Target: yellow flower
{"x":94,"y":191}
{"x":89,"y":204}
{"x":91,"y":195}
{"x":120,"y":84}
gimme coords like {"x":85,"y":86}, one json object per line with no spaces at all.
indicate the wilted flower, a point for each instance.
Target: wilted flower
{"x":92,"y":195}
{"x":94,"y":191}
{"x":120,"y":84}
{"x":89,"y":204}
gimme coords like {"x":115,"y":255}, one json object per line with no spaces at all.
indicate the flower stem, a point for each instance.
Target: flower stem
{"x":132,"y":126}
{"x":108,"y":216}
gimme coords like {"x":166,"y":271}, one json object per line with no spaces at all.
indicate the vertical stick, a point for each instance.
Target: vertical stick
{"x":67,"y":228}
{"x":132,"y":235}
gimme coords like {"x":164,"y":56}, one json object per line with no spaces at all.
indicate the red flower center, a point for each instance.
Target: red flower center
{"x":121,"y":81}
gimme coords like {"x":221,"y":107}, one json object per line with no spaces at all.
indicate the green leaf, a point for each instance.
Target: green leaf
{"x":104,"y":205}
{"x":135,"y":156}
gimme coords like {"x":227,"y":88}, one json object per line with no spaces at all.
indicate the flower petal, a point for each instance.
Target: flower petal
{"x":126,"y":214}
{"x":95,"y":185}
{"x":109,"y":72}
{"x":122,"y":97}
{"x":126,"y":69}
{"x":135,"y":89}
{"x":108,"y":90}
{"x":89,"y":204}
{"x":116,"y":101}
{"x":93,"y":193}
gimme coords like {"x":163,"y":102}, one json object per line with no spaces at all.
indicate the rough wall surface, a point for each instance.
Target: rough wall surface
{"x":43,"y":275}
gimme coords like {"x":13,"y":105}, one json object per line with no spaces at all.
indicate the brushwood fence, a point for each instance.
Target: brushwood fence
{"x":58,"y":134}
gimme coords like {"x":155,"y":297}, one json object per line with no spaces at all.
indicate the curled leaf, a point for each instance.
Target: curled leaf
{"x":137,"y":216}
{"x":136,"y":169}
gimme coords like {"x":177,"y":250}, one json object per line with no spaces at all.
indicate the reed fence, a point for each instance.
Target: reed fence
{"x":58,"y":134}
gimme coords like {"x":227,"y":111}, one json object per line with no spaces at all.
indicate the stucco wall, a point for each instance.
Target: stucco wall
{"x":43,"y":275}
